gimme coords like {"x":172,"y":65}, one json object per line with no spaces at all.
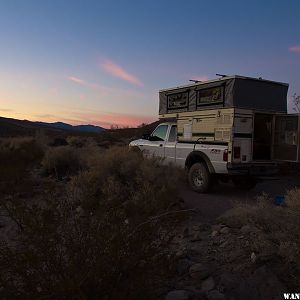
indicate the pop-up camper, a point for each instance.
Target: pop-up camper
{"x":247,"y":113}
{"x":233,"y":128}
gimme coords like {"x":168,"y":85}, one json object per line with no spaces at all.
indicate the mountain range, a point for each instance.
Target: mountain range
{"x":12,"y":127}
{"x":65,"y":126}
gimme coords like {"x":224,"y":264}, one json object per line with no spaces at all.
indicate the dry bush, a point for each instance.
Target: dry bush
{"x":292,"y":198}
{"x":106,"y":238}
{"x":61,"y":161}
{"x":17,"y":155}
{"x":90,"y":153}
{"x":76,"y":141}
{"x":125,"y":177}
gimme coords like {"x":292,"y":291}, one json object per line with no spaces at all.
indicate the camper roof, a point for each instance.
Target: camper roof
{"x":224,"y":78}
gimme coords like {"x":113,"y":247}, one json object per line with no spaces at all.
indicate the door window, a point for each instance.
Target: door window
{"x":160,"y":132}
{"x":173,"y":134}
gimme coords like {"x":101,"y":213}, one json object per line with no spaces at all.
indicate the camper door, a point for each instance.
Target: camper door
{"x":286,"y":137}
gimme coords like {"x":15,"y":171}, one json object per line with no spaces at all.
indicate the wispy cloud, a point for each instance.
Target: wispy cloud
{"x":295,"y":48}
{"x":45,"y":116}
{"x":76,"y":80}
{"x":84,"y":83}
{"x":200,"y":78}
{"x":117,"y":71}
{"x":6,"y":110}
{"x":102,"y":89}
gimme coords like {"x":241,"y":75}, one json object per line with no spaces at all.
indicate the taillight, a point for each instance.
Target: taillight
{"x":237,"y":152}
{"x":225,"y":155}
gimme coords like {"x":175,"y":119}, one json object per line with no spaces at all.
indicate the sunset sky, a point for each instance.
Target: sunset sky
{"x":103,"y":62}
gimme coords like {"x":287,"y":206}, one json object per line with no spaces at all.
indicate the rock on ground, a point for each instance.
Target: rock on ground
{"x":183,"y":266}
{"x":262,"y":284}
{"x":178,"y":295}
{"x":199,"y":271}
{"x":215,"y":295}
{"x":207,"y":285}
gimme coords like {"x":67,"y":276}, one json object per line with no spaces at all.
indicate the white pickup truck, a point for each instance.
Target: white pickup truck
{"x":205,"y":162}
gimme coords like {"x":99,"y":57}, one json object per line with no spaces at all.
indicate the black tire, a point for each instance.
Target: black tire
{"x":199,"y":178}
{"x":244,"y":182}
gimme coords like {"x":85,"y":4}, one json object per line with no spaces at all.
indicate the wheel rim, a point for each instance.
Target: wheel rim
{"x":198,"y":178}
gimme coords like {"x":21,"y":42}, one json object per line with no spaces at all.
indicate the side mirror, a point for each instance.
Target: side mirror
{"x":146,"y":136}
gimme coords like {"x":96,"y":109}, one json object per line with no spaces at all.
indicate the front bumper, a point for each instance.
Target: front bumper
{"x":253,"y":169}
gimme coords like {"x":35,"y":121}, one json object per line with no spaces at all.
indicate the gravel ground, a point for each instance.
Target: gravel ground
{"x":223,"y":196}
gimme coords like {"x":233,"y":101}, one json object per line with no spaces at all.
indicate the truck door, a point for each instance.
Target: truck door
{"x":170,"y":150}
{"x":155,"y":144}
{"x":286,"y":138}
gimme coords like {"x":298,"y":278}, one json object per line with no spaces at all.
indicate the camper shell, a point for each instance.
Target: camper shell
{"x":247,"y":114}
{"x":225,"y":92}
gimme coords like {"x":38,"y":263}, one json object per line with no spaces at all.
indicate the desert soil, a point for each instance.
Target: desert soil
{"x":223,"y":196}
{"x":216,"y":262}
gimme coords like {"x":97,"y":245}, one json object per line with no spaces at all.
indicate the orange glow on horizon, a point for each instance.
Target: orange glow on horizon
{"x":105,"y":120}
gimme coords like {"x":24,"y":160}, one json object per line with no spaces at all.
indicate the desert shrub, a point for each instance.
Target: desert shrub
{"x":42,"y":138}
{"x":106,"y":238}
{"x":292,"y":198}
{"x":17,"y":155}
{"x":278,"y":236}
{"x":61,"y":161}
{"x":58,"y":141}
{"x":125,"y":177}
{"x":76,"y":141}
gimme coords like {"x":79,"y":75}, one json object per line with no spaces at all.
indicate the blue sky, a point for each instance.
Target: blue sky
{"x":103,"y":62}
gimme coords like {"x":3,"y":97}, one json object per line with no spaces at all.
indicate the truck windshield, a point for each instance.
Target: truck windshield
{"x":160,"y":132}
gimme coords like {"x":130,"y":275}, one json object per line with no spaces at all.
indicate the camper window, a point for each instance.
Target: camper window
{"x":178,"y":100}
{"x":210,"y":96}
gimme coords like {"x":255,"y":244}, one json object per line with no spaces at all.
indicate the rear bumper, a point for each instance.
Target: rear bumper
{"x":253,"y":169}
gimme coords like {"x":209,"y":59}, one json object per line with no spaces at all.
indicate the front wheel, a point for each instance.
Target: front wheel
{"x":199,"y":178}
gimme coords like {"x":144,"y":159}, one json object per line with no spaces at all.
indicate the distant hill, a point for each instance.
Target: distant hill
{"x":14,"y":127}
{"x":65,"y":126}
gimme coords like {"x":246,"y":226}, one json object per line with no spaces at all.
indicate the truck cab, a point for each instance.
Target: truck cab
{"x":201,"y":161}
{"x":161,"y":142}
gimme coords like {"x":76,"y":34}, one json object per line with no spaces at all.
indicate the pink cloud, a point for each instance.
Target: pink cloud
{"x":76,"y":80}
{"x":200,"y":78}
{"x":103,"y":90}
{"x":84,"y":83}
{"x":295,"y":48}
{"x":117,"y":71}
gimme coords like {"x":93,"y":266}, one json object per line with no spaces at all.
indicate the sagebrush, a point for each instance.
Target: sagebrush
{"x":105,"y":237}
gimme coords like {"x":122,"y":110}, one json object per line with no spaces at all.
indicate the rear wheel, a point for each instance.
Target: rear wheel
{"x":199,"y":178}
